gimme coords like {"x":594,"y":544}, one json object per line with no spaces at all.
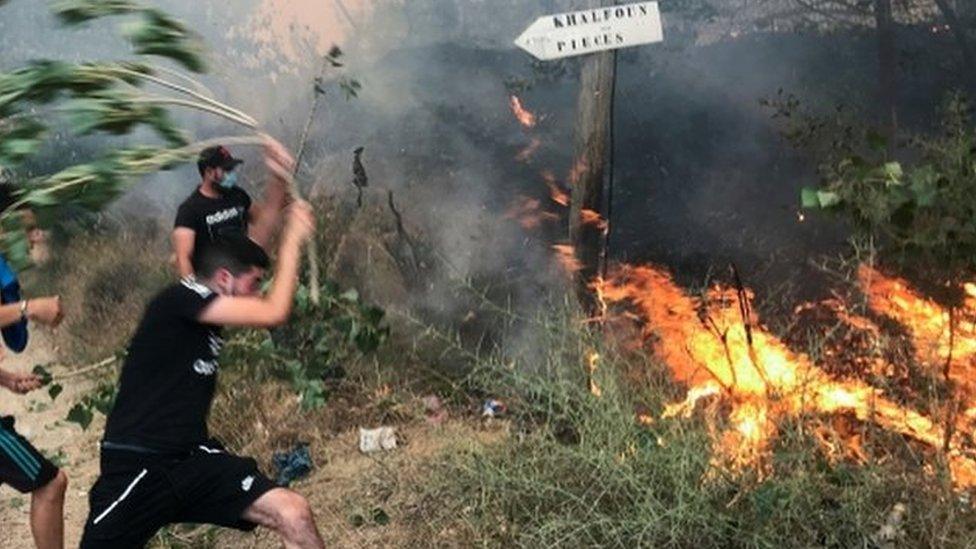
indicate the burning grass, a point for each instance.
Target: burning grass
{"x":626,"y":466}
{"x":675,"y":430}
{"x":715,"y":345}
{"x":104,"y":280}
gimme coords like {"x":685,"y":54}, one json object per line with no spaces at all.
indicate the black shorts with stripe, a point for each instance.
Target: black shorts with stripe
{"x":139,"y":493}
{"x":21,"y":465}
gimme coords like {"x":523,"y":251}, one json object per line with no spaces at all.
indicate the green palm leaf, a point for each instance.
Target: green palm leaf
{"x":74,"y":12}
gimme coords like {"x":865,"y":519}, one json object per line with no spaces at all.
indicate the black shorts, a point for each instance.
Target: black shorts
{"x":137,"y":494}
{"x":21,"y":465}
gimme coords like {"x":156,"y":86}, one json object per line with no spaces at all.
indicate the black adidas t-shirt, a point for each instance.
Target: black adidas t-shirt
{"x":169,"y":375}
{"x":211,"y":218}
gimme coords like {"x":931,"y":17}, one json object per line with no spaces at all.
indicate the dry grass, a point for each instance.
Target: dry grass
{"x":581,"y":472}
{"x":359,"y":500}
{"x":105,"y":281}
{"x":566,"y":469}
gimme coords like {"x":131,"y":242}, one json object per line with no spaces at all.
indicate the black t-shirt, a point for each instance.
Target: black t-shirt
{"x":169,"y":375}
{"x":211,"y":218}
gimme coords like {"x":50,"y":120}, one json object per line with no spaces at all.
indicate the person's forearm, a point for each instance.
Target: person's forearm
{"x":183,"y":240}
{"x":276,"y":193}
{"x":269,"y":211}
{"x":10,"y":314}
{"x":262,"y":228}
{"x":183,"y":266}
{"x":286,"y":275}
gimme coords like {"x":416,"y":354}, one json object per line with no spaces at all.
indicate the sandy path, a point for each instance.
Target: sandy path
{"x":42,"y":422}
{"x":344,"y":483}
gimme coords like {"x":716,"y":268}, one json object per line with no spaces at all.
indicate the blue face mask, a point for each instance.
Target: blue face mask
{"x":229,"y":180}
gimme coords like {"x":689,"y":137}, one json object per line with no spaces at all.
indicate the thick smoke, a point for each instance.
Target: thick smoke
{"x":701,"y":176}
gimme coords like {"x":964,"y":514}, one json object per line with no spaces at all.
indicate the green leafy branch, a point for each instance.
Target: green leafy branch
{"x":100,"y":400}
{"x":109,"y":97}
{"x":314,"y":346}
{"x":91,"y":186}
{"x":924,"y":208}
{"x":101,"y":97}
{"x":152,"y":33}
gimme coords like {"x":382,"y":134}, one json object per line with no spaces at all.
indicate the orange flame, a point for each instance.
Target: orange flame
{"x":557,"y":195}
{"x":943,"y":341}
{"x":528,"y":213}
{"x":524,"y":117}
{"x":840,"y":310}
{"x":705,"y":344}
{"x":525,"y":154}
{"x":566,"y":256}
{"x":928,"y":323}
{"x":686,"y":407}
{"x":579,"y":168}
{"x":593,"y":218}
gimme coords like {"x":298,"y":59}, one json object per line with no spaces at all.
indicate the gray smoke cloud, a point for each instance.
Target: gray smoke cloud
{"x":701,"y":175}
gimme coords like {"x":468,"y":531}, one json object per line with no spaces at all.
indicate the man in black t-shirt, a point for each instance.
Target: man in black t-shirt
{"x":219,"y":208}
{"x":158,"y":464}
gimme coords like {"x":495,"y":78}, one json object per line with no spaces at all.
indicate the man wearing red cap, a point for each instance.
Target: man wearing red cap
{"x":219,"y":208}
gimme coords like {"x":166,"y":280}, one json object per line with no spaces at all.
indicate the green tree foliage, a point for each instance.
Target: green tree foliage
{"x":108,"y":97}
{"x":111,"y":97}
{"x":314,"y":347}
{"x":924,"y":208}
{"x":97,"y":97}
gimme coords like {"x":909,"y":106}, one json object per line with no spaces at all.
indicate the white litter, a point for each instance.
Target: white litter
{"x":374,"y":440}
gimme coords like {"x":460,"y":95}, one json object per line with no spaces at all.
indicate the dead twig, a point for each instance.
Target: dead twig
{"x":402,"y":232}
{"x":359,"y":178}
{"x":313,"y":256}
{"x":87,"y":369}
{"x":745,"y":311}
{"x":952,"y":338}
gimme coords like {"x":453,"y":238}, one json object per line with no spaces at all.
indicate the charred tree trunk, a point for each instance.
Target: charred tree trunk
{"x":886,"y":69}
{"x":590,"y":147}
{"x":959,"y":32}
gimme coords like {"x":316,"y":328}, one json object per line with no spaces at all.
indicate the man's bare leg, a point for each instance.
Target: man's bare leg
{"x":47,"y":513}
{"x":288,"y":514}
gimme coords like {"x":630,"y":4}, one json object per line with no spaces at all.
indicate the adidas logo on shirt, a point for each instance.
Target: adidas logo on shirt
{"x":247,"y":482}
{"x":205,"y":367}
{"x":216,"y":344}
{"x":223,"y":215}
{"x":191,"y":283}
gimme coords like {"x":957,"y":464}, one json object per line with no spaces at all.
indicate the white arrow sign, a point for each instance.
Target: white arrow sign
{"x":593,"y":30}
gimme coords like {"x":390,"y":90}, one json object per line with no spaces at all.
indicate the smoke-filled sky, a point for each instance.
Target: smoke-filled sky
{"x":701,"y":174}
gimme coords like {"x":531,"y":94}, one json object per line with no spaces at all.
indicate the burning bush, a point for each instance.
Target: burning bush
{"x":626,"y":480}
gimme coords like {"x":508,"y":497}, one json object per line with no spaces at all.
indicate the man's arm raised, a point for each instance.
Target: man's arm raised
{"x":265,"y":216}
{"x":273,"y":308}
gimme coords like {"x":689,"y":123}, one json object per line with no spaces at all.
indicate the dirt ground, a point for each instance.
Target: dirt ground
{"x":363,"y":500}
{"x":360,"y":500}
{"x":42,"y":422}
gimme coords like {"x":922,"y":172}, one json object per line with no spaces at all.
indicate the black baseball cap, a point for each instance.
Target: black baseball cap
{"x":217,"y":157}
